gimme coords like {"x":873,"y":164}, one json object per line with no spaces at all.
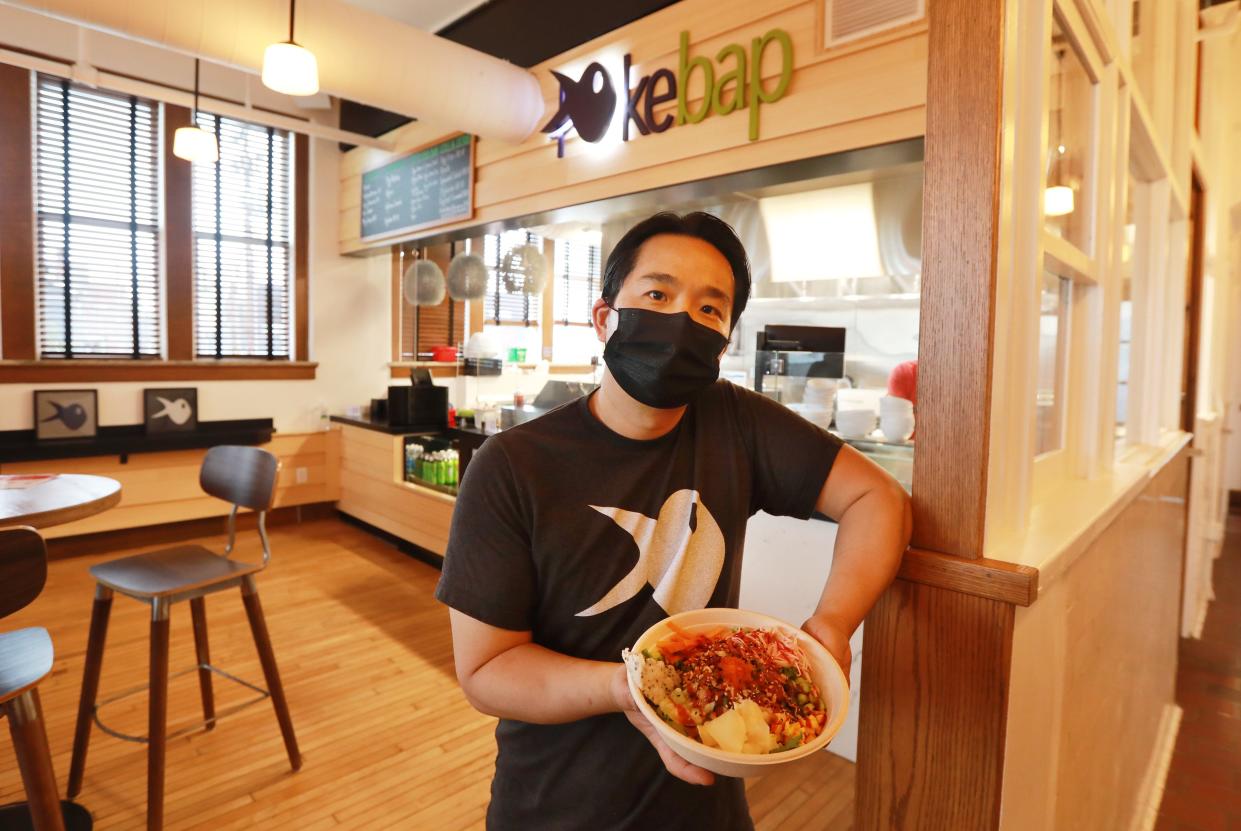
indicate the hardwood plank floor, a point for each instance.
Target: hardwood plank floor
{"x":366,"y":657}
{"x":1203,"y":791}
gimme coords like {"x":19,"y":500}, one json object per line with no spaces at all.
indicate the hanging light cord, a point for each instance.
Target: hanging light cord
{"x":292,"y":9}
{"x":194,"y":114}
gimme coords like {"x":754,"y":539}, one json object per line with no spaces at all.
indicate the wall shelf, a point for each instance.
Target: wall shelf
{"x":121,"y":440}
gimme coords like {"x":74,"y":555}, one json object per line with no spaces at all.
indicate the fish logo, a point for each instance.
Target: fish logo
{"x":73,"y":416}
{"x":682,"y":564}
{"x":178,"y":412}
{"x":585,"y":105}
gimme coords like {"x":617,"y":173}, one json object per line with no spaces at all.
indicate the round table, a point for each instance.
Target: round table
{"x":65,"y":498}
{"x":53,"y":501}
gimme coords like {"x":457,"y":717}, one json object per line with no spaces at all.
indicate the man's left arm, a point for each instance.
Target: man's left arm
{"x":875,"y":521}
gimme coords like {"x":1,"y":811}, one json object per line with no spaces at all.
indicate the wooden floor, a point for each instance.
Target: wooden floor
{"x":1203,"y":791}
{"x":388,"y":739}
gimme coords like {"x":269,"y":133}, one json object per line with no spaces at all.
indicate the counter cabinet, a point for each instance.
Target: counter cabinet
{"x":373,"y":489}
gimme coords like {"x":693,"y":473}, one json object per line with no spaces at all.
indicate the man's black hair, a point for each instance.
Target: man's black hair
{"x":706,"y":227}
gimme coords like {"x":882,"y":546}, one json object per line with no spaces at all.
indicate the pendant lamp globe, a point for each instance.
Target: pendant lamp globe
{"x":289,"y":68}
{"x":193,"y":143}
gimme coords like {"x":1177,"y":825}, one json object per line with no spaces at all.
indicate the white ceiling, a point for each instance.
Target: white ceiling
{"x":428,"y":15}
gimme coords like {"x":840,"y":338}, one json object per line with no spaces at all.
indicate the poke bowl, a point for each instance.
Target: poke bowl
{"x":795,"y":688}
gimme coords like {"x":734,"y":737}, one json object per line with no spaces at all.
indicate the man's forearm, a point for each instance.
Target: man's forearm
{"x":534,"y":684}
{"x":870,"y":541}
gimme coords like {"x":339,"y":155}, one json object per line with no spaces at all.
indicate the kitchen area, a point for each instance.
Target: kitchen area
{"x":831,"y":331}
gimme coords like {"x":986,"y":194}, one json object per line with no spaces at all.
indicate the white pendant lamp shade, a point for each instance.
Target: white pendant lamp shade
{"x":1058,"y":200}
{"x":423,"y":284}
{"x":524,"y":269}
{"x":467,"y":277}
{"x":290,"y":69}
{"x":195,"y":145}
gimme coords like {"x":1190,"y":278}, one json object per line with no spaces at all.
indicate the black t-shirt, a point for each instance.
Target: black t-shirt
{"x":586,"y":538}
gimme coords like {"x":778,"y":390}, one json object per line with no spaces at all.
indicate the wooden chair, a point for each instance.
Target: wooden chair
{"x":246,"y":477}
{"x":25,"y":660}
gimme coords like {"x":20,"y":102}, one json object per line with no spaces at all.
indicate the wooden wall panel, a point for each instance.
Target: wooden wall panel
{"x":1094,"y":672}
{"x":17,"y":333}
{"x":163,"y":487}
{"x":301,"y":248}
{"x":838,"y":99}
{"x":178,"y":240}
{"x":960,"y":223}
{"x":934,"y":701}
{"x":372,"y":490}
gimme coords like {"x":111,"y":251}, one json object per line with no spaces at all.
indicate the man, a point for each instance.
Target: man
{"x":575,"y":532}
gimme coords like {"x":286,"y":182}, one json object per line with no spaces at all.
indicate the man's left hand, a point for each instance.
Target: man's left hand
{"x":833,"y":636}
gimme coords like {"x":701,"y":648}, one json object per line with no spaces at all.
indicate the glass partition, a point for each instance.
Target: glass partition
{"x":1070,"y":151}
{"x":1053,"y":349}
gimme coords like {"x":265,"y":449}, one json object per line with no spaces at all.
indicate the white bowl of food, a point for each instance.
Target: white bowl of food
{"x":774,"y":696}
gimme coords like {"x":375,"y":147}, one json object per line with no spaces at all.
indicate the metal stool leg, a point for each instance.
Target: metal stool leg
{"x":258,"y":626}
{"x":198,"y":611}
{"x":158,"y":721}
{"x":100,"y":612}
{"x":34,"y":760}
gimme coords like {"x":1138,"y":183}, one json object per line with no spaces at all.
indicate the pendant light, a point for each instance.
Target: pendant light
{"x":289,"y":68}
{"x":193,"y":143}
{"x":1058,"y":199}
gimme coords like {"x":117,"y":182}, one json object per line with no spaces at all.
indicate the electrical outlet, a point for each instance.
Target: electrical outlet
{"x":302,"y":475}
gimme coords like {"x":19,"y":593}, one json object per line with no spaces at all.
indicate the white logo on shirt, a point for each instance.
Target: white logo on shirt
{"x":681,"y":564}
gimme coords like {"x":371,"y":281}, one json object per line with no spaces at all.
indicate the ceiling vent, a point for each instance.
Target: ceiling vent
{"x":847,"y":20}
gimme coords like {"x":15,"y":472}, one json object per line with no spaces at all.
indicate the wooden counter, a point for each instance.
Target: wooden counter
{"x":372,"y":489}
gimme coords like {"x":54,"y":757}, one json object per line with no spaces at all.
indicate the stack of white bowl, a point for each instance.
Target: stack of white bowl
{"x":855,"y":414}
{"x":896,"y":418}
{"x":817,"y":401}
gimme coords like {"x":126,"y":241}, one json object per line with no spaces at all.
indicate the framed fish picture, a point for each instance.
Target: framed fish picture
{"x":170,"y":410}
{"x":66,"y":414}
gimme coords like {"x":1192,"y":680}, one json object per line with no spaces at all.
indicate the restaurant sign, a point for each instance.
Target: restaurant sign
{"x":589,"y":103}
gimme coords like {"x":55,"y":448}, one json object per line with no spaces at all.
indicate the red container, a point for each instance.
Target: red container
{"x":444,"y":353}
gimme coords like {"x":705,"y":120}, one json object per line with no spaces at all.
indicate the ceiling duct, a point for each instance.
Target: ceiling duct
{"x":362,"y":56}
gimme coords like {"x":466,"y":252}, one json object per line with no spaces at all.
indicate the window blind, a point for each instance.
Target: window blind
{"x":242,"y":230}
{"x":502,"y":305}
{"x":577,"y":282}
{"x":97,"y":222}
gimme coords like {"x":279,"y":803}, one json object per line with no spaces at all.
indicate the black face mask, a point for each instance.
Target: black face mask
{"x":662,"y":360}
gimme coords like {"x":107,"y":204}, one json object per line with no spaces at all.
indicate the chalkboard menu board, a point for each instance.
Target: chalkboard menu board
{"x":431,"y":186}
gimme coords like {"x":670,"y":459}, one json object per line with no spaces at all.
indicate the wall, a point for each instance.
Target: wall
{"x":349,"y":337}
{"x":866,"y":92}
{"x":1091,"y":708}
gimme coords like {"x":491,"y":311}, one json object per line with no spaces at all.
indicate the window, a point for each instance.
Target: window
{"x":506,"y":303}
{"x":577,"y":281}
{"x":1129,"y":229}
{"x":97,"y":223}
{"x":1070,"y":151}
{"x":1053,"y":329}
{"x":242,"y":231}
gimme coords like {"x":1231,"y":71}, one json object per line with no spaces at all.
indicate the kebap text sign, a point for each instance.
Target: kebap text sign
{"x":588,"y":104}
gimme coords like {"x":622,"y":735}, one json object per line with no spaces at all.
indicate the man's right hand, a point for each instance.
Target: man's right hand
{"x":677,"y":766}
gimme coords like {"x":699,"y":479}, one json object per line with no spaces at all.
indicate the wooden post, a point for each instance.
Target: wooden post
{"x":178,"y":240}
{"x":936,"y":669}
{"x":17,"y":268}
{"x":960,"y":210}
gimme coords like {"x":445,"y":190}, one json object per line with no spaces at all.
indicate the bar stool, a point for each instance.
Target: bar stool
{"x":246,"y":477}
{"x":25,"y":660}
